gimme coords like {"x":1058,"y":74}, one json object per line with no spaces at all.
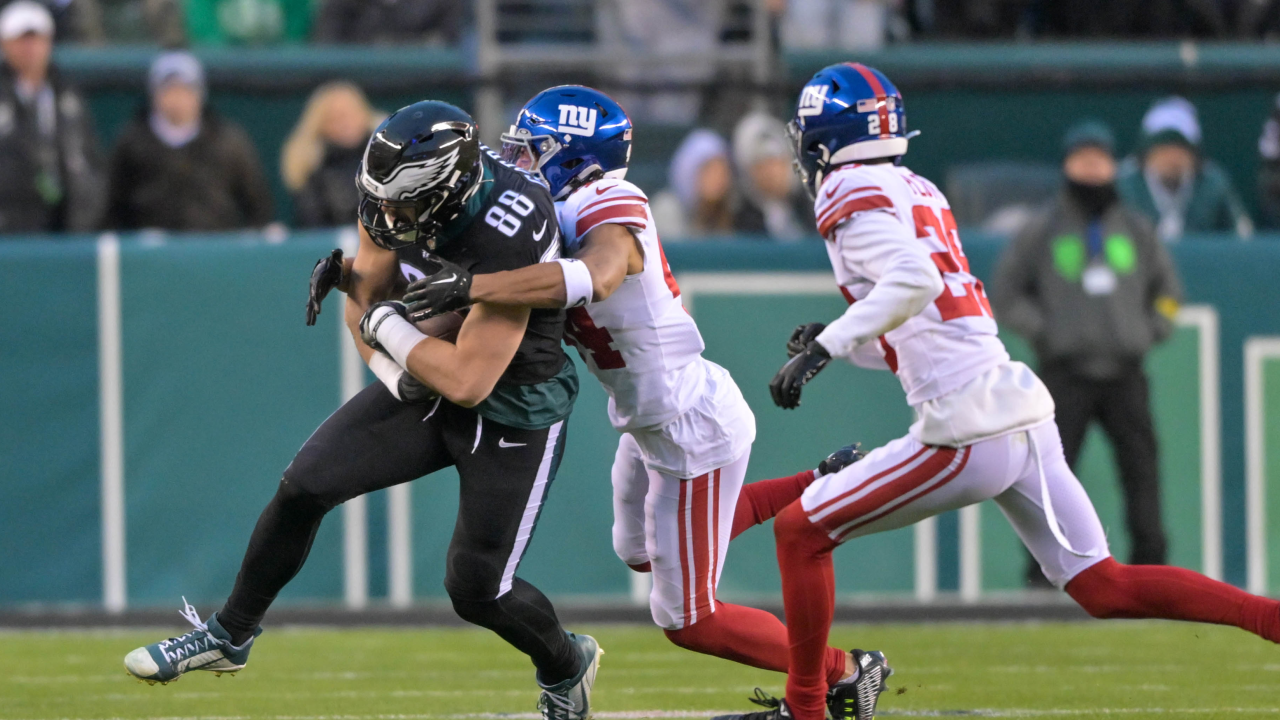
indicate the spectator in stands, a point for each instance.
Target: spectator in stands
{"x":1269,"y":173}
{"x":364,"y":22}
{"x":50,"y":178}
{"x":773,"y":204}
{"x":322,"y":154}
{"x":1172,"y":182}
{"x":181,"y":166}
{"x":1091,"y":287}
{"x":700,"y":199}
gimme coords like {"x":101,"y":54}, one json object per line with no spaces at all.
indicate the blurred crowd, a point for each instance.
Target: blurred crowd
{"x":180,"y":165}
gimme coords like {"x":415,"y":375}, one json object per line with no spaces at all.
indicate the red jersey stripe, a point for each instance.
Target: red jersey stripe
{"x":605,"y":201}
{"x":869,"y":202}
{"x":619,"y":214}
{"x":835,"y":204}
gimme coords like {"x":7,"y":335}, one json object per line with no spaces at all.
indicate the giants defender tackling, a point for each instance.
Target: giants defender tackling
{"x":686,"y":430}
{"x":984,"y":425}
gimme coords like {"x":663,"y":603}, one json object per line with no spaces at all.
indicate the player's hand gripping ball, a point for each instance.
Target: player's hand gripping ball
{"x":786,"y":385}
{"x":325,"y":276}
{"x":446,"y":289}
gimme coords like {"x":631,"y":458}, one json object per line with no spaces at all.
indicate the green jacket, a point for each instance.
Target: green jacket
{"x":1215,"y":205}
{"x":1040,"y":289}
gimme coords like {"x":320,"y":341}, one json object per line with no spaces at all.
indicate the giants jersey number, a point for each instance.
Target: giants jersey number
{"x":964,"y":295}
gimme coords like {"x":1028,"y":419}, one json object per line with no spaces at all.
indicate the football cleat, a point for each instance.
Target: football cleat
{"x":571,"y":699}
{"x":857,"y":700}
{"x":775,"y":709}
{"x":207,"y":647}
{"x":840,"y":459}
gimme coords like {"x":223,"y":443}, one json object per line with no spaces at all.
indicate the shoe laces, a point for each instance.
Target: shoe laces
{"x":200,"y":632}
{"x":764,"y":699}
{"x":554,"y":705}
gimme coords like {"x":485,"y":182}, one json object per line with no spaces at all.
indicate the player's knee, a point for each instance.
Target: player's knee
{"x":472,"y":586}
{"x":303,"y":484}
{"x":793,"y":530}
{"x":1098,"y":591}
{"x":700,"y":636}
{"x":297,"y":498}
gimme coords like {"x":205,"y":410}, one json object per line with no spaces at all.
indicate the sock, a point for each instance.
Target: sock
{"x":762,"y":500}
{"x":808,"y":593}
{"x":748,"y":636}
{"x":1112,"y":590}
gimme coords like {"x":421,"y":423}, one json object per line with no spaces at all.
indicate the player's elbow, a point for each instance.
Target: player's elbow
{"x":602,"y":287}
{"x":469,"y":394}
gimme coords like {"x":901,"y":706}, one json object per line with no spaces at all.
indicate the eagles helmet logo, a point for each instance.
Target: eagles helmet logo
{"x":411,"y":179}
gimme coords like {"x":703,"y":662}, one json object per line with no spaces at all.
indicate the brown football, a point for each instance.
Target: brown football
{"x":444,"y":327}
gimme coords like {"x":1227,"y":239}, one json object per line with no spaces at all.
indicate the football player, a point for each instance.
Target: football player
{"x":984,"y":425}
{"x":494,"y":405}
{"x":686,"y":430}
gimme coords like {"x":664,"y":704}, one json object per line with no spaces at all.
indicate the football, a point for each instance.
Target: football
{"x":444,"y":327}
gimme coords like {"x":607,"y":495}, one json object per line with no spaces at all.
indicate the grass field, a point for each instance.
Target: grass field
{"x":1078,"y":670}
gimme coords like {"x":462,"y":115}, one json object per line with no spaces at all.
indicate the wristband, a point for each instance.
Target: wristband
{"x":398,"y":337}
{"x":387,"y":371}
{"x":577,"y":282}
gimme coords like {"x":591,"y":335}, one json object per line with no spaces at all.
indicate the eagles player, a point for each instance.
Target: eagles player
{"x":494,"y":405}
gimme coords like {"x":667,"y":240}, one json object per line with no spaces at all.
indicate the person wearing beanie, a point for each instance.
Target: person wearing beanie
{"x":50,"y":173}
{"x":774,"y":205}
{"x":1092,"y":289}
{"x":179,"y":165}
{"x":700,"y":199}
{"x":1170,"y":181}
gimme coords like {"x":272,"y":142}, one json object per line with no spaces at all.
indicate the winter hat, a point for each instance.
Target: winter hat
{"x":696,"y":150}
{"x":176,"y":66}
{"x":1171,"y":120}
{"x":1088,"y":133}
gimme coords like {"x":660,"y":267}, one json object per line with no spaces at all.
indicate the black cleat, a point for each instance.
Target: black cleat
{"x":857,"y":700}
{"x":840,"y":459}
{"x":776,"y":709}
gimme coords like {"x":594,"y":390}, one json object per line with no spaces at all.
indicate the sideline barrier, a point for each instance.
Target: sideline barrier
{"x":135,"y":500}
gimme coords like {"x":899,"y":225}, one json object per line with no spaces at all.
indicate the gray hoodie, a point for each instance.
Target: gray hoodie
{"x":1098,"y":315}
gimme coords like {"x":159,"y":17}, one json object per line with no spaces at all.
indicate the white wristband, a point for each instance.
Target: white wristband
{"x":387,"y":371}
{"x":398,"y":336}
{"x":577,"y":282}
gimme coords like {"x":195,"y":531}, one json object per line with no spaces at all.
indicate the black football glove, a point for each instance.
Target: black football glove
{"x":325,"y":276}
{"x":413,"y":392}
{"x":785,"y":386}
{"x":444,"y":290}
{"x":373,"y":319}
{"x":840,"y":459}
{"x":802,"y":336}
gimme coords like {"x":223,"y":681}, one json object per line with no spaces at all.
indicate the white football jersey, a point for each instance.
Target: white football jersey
{"x":639,"y":342}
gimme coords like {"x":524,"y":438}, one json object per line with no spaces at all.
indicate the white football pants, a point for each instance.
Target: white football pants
{"x":905,"y":482}
{"x":680,"y":527}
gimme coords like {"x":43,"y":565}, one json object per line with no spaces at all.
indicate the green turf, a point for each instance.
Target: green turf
{"x":1082,"y":670}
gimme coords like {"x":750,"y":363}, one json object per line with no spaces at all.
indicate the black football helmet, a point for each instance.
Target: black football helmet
{"x":419,"y":168}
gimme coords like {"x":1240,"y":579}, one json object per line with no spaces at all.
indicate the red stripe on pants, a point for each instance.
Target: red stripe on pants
{"x":869,"y":480}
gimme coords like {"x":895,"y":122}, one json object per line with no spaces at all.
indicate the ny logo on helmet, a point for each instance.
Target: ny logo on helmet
{"x":812,"y":100}
{"x":577,"y":120}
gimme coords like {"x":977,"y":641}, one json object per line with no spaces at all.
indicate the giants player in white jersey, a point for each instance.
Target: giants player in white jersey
{"x":984,"y":425}
{"x":686,"y":430}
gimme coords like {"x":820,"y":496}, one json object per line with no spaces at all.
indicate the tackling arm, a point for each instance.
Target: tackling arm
{"x":609,"y":252}
{"x":371,"y":279}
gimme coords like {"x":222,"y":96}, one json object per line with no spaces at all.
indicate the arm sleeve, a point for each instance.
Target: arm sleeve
{"x":876,"y":246}
{"x":1016,"y":296}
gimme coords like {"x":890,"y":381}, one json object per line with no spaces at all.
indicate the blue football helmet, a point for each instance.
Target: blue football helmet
{"x":570,"y":135}
{"x":847,"y":112}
